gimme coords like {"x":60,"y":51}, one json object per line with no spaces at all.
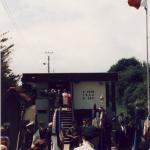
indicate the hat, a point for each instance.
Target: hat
{"x":90,"y":132}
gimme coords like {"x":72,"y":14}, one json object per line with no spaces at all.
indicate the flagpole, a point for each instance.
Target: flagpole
{"x":147,"y":66}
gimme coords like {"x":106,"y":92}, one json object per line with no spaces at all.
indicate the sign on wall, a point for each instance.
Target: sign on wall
{"x":86,"y":94}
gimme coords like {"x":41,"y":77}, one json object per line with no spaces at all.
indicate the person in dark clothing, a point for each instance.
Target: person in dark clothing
{"x":123,"y":142}
{"x":102,"y":125}
{"x":108,"y":129}
{"x":94,"y":111}
{"x":116,"y":129}
{"x":129,"y":128}
{"x":52,"y":98}
{"x":14,"y":107}
{"x":48,"y":135}
{"x":138,"y":128}
{"x":74,"y":134}
{"x":12,"y":116}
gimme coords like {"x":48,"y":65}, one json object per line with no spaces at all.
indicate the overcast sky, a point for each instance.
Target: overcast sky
{"x":85,"y":35}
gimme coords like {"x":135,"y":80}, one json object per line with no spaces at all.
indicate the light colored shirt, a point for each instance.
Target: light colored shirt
{"x":66,"y":98}
{"x":86,"y":146}
{"x":54,"y":143}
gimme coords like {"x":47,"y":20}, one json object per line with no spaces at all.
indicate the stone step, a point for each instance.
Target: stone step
{"x":66,"y":138}
{"x":69,"y":112}
{"x":66,"y":122}
{"x":66,"y":119}
{"x":66,"y":112}
{"x":66,"y":126}
{"x":66,"y":115}
{"x":66,"y":142}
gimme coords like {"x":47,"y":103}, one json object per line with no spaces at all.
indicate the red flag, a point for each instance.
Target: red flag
{"x":135,"y":3}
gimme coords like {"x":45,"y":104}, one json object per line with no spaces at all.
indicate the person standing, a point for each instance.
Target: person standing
{"x":15,"y":104}
{"x":108,"y":129}
{"x":52,"y":98}
{"x":66,"y":99}
{"x":59,"y":99}
{"x":94,"y":111}
{"x":138,"y":129}
{"x":102,"y":128}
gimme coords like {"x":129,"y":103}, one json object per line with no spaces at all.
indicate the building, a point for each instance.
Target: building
{"x":86,"y":89}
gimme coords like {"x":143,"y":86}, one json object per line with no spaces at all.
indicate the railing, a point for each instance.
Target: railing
{"x":59,"y":119}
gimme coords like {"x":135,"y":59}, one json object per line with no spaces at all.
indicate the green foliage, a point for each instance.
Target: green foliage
{"x":8,"y":78}
{"x":123,"y":64}
{"x":121,"y":109}
{"x":132,"y":82}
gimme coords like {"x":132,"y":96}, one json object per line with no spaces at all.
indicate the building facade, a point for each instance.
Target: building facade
{"x":86,"y":90}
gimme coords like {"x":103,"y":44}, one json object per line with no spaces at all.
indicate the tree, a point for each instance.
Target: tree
{"x":132,"y":82}
{"x":8,"y":78}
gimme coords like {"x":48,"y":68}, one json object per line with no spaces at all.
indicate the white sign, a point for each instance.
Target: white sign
{"x":86,"y":94}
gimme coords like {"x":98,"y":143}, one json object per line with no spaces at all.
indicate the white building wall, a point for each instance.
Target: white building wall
{"x":86,"y":94}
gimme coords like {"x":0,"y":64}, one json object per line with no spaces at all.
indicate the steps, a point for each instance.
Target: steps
{"x":66,"y":122}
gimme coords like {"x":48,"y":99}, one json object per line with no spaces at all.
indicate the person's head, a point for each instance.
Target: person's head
{"x":58,"y":91}
{"x":5,"y":141}
{"x":3,"y":147}
{"x":84,"y":122}
{"x":89,"y":133}
{"x":89,"y":122}
{"x":53,"y":91}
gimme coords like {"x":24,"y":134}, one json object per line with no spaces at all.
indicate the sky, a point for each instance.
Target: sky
{"x":85,"y":35}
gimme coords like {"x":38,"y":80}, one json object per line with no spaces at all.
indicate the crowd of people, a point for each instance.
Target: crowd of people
{"x":99,"y":132}
{"x":21,"y":129}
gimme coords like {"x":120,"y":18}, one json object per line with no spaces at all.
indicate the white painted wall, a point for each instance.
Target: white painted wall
{"x":86,"y":94}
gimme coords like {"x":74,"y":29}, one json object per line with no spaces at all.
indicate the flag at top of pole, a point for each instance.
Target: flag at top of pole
{"x":135,"y":3}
